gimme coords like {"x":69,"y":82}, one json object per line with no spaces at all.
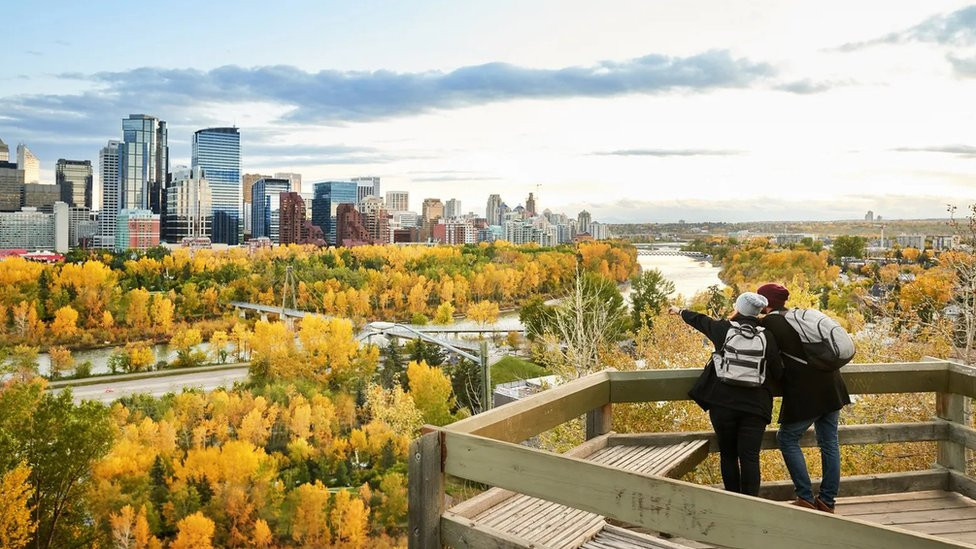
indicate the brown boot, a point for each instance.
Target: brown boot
{"x":822,"y":506}
{"x":800,"y":502}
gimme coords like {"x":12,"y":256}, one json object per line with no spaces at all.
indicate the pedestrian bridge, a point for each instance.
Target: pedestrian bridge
{"x":622,"y":490}
{"x":646,"y":251}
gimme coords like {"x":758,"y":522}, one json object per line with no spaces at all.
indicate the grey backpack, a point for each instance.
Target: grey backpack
{"x":826,"y":343}
{"x":741,"y":361}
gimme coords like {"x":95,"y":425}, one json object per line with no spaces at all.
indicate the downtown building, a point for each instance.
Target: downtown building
{"x":376,"y":219}
{"x":397,"y":201}
{"x":28,"y":162}
{"x":266,"y":208}
{"x":31,"y":230}
{"x":110,"y":176}
{"x":366,"y":186}
{"x":11,"y":186}
{"x":40,"y":196}
{"x":218,"y":152}
{"x":74,"y":177}
{"x":327,"y":197}
{"x":136,"y":229}
{"x":293,"y":224}
{"x":189,"y":210}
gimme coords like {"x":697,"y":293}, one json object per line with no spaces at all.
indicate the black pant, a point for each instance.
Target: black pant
{"x":739,"y":440}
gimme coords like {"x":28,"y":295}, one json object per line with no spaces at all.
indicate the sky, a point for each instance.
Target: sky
{"x":636,"y":111}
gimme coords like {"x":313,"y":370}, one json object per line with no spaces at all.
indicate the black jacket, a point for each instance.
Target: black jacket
{"x":708,"y":391}
{"x":808,"y":393}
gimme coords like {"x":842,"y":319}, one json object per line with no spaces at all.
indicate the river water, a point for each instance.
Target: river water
{"x":689,"y":276}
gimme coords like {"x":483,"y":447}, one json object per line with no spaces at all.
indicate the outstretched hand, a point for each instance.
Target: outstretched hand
{"x":674,"y":310}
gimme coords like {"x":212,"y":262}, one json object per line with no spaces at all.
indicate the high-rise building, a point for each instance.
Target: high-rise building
{"x":109,"y":172}
{"x":189,"y":210}
{"x":397,"y":201}
{"x":350,"y":227}
{"x":377,"y":219}
{"x":366,"y":186}
{"x":27,"y":161}
{"x":583,"y":221}
{"x":292,"y":218}
{"x":218,"y":152}
{"x":4,"y":152}
{"x":432,"y":209}
{"x":81,"y":227}
{"x":40,"y":196}
{"x":328,"y":195}
{"x":295,"y":178}
{"x":143,"y":163}
{"x":29,"y":229}
{"x":11,"y":186}
{"x":869,"y":216}
{"x":493,"y":210}
{"x":75,"y":179}
{"x":266,"y":208}
{"x":136,"y":229}
{"x":248,"y":180}
{"x":530,"y":205}
{"x":452,"y":209}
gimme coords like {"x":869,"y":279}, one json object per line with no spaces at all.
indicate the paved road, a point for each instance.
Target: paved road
{"x":208,"y":381}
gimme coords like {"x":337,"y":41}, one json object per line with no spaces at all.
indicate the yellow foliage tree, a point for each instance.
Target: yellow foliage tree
{"x":310,"y":526}
{"x":444,"y":313}
{"x":137,"y":309}
{"x":16,"y":525}
{"x":332,"y":352}
{"x":140,"y":356}
{"x":431,"y":391}
{"x":350,"y":520}
{"x":483,"y":312}
{"x":61,"y":361}
{"x":218,"y":346}
{"x":162,"y":315}
{"x":262,"y":534}
{"x":194,"y":532}
{"x":65,"y":323}
{"x":272,"y":350}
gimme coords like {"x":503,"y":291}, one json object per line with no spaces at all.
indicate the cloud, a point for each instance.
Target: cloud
{"x":450,"y":178}
{"x":275,"y":155}
{"x":966,"y":151}
{"x":957,"y":28}
{"x":669,"y":152}
{"x":336,"y":97}
{"x":964,"y":67}
{"x":806,"y":86}
{"x":35,"y":53}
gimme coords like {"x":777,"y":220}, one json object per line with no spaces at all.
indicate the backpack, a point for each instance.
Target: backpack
{"x":742,"y":359}
{"x":827,"y":345}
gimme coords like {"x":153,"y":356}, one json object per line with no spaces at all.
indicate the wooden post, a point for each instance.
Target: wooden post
{"x":599,"y":421}
{"x":425,"y":491}
{"x":954,"y":408}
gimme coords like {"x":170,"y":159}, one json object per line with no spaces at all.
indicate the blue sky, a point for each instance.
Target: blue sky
{"x":637,"y":111}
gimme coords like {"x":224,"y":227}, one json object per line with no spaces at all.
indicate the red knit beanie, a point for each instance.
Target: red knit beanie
{"x":776,"y":294}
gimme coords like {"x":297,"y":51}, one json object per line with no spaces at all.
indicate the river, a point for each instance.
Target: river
{"x":688,"y":274}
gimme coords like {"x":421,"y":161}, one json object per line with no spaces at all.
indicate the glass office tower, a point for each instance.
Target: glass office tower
{"x":109,"y":169}
{"x":218,"y":152}
{"x":266,"y":207}
{"x":75,"y":179}
{"x":144,"y":163}
{"x":328,"y":196}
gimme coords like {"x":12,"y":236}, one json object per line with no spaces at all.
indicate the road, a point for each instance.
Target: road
{"x":159,"y":386}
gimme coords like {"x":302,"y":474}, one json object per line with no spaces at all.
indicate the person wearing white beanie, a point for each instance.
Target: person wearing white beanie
{"x":739,"y":414}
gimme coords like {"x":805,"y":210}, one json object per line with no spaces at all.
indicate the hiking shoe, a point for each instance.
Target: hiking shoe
{"x":800,"y":502}
{"x":822,"y":506}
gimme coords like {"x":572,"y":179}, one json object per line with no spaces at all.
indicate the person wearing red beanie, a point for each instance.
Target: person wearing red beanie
{"x":810,"y":397}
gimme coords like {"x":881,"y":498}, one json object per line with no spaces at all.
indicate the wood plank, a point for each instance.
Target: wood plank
{"x":698,"y":453}
{"x":903,"y":377}
{"x":962,"y":484}
{"x":962,"y":379}
{"x":906,"y":503}
{"x":877,"y":433}
{"x":962,"y":434}
{"x":425,"y":489}
{"x":661,"y":504}
{"x":953,"y":408}
{"x":927,"y":515}
{"x":863,"y":485}
{"x":523,"y":419}
{"x":599,"y":420}
{"x":945,"y":527}
{"x":463,"y":533}
{"x":918,"y":495}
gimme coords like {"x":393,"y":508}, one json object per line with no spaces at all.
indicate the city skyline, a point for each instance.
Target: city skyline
{"x":793,"y":112}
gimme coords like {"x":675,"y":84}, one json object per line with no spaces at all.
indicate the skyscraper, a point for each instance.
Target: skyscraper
{"x":291,"y":219}
{"x":493,"y":210}
{"x":366,"y":186}
{"x":189,"y":210}
{"x":397,"y":201}
{"x":248,"y":181}
{"x":108,"y":169}
{"x":530,"y":205}
{"x":433,"y":208}
{"x":328,"y":196}
{"x":583,"y":222}
{"x":27,"y":161}
{"x":143,"y":163}
{"x":266,"y":207}
{"x":452,"y":208}
{"x":4,"y":152}
{"x":75,"y":179}
{"x":218,"y":152}
{"x":11,"y":186}
{"x":295,"y":178}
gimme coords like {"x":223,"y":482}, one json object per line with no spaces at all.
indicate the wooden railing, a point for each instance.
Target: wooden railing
{"x":484,"y":449}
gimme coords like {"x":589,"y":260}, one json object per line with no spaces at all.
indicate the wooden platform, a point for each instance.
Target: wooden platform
{"x":938,"y":513}
{"x":554,"y":526}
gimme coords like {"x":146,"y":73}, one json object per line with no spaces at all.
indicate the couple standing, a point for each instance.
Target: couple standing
{"x":740,"y":407}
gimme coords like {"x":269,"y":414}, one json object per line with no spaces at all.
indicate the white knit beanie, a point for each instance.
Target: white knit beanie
{"x":750,"y":303}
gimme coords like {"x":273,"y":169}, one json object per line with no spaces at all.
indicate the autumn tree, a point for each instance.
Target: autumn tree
{"x":431,"y":391}
{"x":137,"y":309}
{"x":350,"y":521}
{"x":333,"y":353}
{"x":185,"y":342}
{"x":195,"y":532}
{"x":20,"y":362}
{"x":16,"y":524}
{"x":310,"y":526}
{"x":65,"y":324}
{"x":162,"y":315}
{"x":61,"y":361}
{"x":483,"y":312}
{"x":849,"y":246}
{"x":272,"y":350}
{"x":444,"y":313}
{"x":218,"y":346}
{"x":139,"y":357}
{"x":648,"y":296}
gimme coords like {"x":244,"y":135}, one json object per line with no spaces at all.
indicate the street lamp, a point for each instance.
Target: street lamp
{"x":481,"y":359}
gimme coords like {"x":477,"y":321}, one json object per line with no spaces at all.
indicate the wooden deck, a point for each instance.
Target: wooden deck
{"x":555,"y":526}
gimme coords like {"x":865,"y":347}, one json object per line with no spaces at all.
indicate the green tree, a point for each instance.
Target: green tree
{"x":59,"y":441}
{"x":394,"y":369}
{"x":849,"y":246}
{"x":649,"y":294}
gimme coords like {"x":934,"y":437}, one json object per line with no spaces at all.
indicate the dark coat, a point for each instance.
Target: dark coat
{"x":709,"y":391}
{"x":808,"y":393}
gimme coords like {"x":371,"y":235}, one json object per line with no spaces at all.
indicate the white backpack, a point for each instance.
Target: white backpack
{"x":826,"y":343}
{"x":742,"y":360}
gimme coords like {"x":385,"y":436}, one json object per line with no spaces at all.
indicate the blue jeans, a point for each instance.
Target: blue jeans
{"x":788,"y":437}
